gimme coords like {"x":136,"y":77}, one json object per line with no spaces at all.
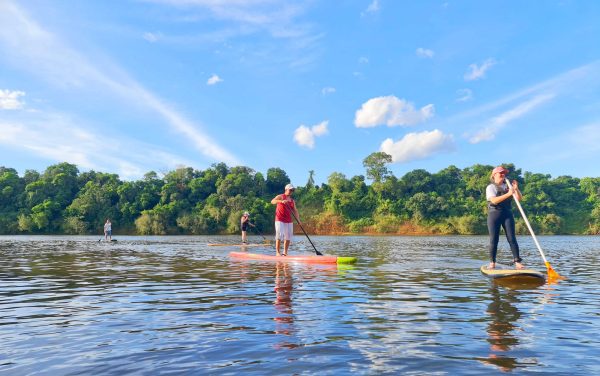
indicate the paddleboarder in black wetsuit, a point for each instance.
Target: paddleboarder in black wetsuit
{"x":245,"y":222}
{"x":498,"y":195}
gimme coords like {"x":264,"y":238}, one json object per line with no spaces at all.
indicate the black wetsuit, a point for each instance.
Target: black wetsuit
{"x":501,"y":215}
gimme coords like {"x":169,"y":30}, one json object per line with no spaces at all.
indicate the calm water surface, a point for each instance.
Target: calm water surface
{"x":412,"y":305}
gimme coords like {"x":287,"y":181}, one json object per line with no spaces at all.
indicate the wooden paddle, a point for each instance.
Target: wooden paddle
{"x":304,"y":231}
{"x":551,"y":273}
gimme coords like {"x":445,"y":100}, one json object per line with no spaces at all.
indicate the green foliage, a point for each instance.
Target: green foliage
{"x":361,"y":225}
{"x":465,"y":225}
{"x":211,"y":201}
{"x":276,"y":181}
{"x":375,"y":164}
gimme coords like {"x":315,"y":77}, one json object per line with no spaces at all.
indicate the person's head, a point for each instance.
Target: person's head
{"x":498,"y":175}
{"x":107,"y":220}
{"x":246,"y":214}
{"x":289,"y":189}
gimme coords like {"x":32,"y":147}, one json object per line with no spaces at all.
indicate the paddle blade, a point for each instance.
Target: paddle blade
{"x":552,"y":275}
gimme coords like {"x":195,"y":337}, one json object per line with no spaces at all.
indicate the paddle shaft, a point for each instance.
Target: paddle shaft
{"x":528,"y":226}
{"x":304,"y":231}
{"x":256,"y":229}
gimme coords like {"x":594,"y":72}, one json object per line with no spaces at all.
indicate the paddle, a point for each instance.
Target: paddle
{"x":259,"y":233}
{"x":551,"y":273}
{"x":304,"y":231}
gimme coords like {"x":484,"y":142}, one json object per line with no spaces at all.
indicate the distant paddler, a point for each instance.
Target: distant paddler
{"x":244,"y":223}
{"x":107,"y":230}
{"x":498,"y":194}
{"x":284,"y":226}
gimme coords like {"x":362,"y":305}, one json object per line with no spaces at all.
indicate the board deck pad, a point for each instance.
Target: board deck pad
{"x":500,"y":272}
{"x":237,"y":244}
{"x":311,"y":259}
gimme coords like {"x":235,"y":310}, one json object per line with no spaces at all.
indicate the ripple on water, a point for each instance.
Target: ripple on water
{"x":412,"y":305}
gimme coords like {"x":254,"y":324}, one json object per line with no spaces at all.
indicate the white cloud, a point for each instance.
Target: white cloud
{"x":31,"y":47}
{"x":464,"y":95}
{"x":586,"y":138}
{"x":328,"y":90}
{"x":373,"y":7}
{"x":489,"y":132}
{"x":476,"y":72}
{"x":363,"y":60}
{"x":571,"y":82}
{"x":415,"y":146}
{"x":390,"y":111}
{"x":305,"y":136}
{"x":9,"y":100}
{"x":426,"y":53}
{"x":152,"y":37}
{"x":60,"y":138}
{"x":294,"y":42}
{"x":213,"y":80}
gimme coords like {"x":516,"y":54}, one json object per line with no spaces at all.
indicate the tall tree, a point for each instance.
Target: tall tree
{"x":376,"y":167}
{"x":276,"y":180}
{"x":311,"y":180}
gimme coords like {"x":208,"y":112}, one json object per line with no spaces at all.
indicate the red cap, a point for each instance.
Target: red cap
{"x":499,"y":169}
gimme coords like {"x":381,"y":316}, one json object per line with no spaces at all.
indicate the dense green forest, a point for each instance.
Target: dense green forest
{"x":187,"y":201}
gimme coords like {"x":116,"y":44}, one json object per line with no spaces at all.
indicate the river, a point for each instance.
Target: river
{"x":72,"y":305}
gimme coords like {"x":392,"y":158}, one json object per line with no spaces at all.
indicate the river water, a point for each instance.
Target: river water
{"x":411,"y":305}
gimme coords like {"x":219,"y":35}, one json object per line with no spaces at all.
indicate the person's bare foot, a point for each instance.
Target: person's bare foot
{"x":518,"y":265}
{"x":492,"y":265}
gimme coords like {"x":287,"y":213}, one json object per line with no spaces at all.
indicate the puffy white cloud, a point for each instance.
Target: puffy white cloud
{"x":476,"y":72}
{"x":9,"y":100}
{"x":424,"y":52}
{"x":305,"y":136}
{"x":415,"y":146}
{"x":390,"y":111}
{"x":214,"y":79}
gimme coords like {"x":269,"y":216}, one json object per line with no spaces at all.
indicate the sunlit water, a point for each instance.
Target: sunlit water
{"x":411,"y":305}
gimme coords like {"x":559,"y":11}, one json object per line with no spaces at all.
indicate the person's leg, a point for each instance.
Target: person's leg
{"x":286,"y":246}
{"x":493,"y":224}
{"x":287,"y":235}
{"x":277,"y":238}
{"x":509,"y":228}
{"x":243,"y":236}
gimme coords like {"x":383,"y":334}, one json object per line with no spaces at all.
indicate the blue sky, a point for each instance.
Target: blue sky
{"x":130,"y":86}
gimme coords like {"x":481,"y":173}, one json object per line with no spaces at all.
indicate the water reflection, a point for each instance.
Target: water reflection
{"x":171,"y":305}
{"x":504,"y":316}
{"x":284,"y":318}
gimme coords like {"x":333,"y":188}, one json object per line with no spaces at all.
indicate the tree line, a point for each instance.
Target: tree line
{"x":63,"y":200}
